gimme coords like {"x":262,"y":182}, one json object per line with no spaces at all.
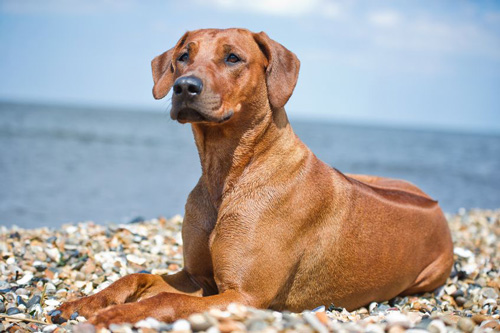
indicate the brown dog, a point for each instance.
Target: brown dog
{"x":268,"y":224}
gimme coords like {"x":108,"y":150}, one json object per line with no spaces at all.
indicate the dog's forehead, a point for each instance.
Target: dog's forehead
{"x":211,"y":38}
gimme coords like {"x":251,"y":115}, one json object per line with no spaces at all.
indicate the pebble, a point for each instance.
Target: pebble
{"x":121,"y":328}
{"x":52,"y":266}
{"x":22,"y":292}
{"x":34,"y":300}
{"x":200,"y":322}
{"x":50,"y":288}
{"x":227,"y":325}
{"x":466,"y":324}
{"x":396,"y":329}
{"x":13,"y":311}
{"x":437,"y":326}
{"x":181,"y":325}
{"x":50,"y":328}
{"x":256,"y":325}
{"x":397,"y":318}
{"x":489,"y":293}
{"x":25,"y":279}
{"x":314,"y":322}
{"x":493,"y":324}
{"x":52,"y":302}
{"x":460,"y":300}
{"x":83,"y":328}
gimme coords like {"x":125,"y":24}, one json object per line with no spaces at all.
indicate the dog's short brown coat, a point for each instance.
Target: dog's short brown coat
{"x":268,"y":224}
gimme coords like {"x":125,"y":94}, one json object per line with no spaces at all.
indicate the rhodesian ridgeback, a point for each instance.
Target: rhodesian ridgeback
{"x":269,"y":225}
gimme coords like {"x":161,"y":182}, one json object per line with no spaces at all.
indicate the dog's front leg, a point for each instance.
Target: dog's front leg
{"x":130,"y":288}
{"x":167,"y":307}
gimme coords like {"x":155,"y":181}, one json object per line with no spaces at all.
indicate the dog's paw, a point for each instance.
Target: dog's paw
{"x":86,"y":307}
{"x":117,"y":314}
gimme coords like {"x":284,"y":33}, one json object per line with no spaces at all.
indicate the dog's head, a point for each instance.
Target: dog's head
{"x":217,"y":74}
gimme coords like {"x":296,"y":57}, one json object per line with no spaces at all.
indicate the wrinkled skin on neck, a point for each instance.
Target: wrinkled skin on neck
{"x":227,"y":151}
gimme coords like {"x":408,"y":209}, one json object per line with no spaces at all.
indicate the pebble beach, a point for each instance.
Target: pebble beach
{"x":42,"y":268}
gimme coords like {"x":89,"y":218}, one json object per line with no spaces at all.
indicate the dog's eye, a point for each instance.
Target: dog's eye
{"x":183,"y":57}
{"x":233,"y":58}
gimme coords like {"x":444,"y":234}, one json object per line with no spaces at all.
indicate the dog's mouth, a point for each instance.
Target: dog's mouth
{"x":191,"y":115}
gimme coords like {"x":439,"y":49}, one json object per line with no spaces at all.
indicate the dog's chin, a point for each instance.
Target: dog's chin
{"x":190,"y":115}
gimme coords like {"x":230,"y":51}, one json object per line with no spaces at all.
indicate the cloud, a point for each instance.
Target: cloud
{"x":417,"y":42}
{"x":386,"y":18}
{"x":284,"y":8}
{"x":270,"y":7}
{"x":437,"y":37}
{"x":68,"y":7}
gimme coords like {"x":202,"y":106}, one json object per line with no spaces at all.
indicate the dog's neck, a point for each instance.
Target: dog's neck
{"x":227,"y":150}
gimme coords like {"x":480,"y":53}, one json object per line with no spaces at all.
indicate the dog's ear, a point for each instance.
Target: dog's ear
{"x":282,"y":70}
{"x":163,"y":74}
{"x":163,"y":70}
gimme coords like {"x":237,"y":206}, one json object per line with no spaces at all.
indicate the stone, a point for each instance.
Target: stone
{"x":213,"y":329}
{"x":469,"y":304}
{"x":322,"y":317}
{"x":460,"y":301}
{"x":372,"y":306}
{"x":479,"y":318}
{"x":12,"y":311}
{"x":397,"y":319}
{"x":451,"y":320}
{"x":50,"y":288}
{"x":396,"y":329}
{"x":22,"y":292}
{"x":414,"y":317}
{"x":237,"y":310}
{"x":458,"y":293}
{"x":254,"y":324}
{"x":489,"y":293}
{"x":120,"y":328}
{"x":315,"y":323}
{"x":49,"y":328}
{"x":374,"y":328}
{"x":437,"y":326}
{"x":228,"y":325}
{"x":199,"y":322}
{"x":34,"y":300}
{"x":493,"y":324}
{"x":466,"y":324}
{"x":450,"y":289}
{"x":181,"y":325}
{"x":35,"y":310}
{"x":53,"y":254}
{"x":84,"y":328}
{"x":25,"y":279}
{"x":52,"y":302}
{"x":136,"y":259}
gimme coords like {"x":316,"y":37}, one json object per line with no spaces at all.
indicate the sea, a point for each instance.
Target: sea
{"x":67,"y":164}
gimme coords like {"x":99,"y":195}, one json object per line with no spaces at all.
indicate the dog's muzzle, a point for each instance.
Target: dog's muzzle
{"x":187,"y":102}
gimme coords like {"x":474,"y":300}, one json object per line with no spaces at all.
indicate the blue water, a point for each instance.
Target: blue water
{"x":62,"y":164}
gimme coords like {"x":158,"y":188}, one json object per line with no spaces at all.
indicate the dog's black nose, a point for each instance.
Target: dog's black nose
{"x":189,"y":85}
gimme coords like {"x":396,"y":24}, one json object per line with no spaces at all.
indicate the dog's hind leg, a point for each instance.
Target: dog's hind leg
{"x":432,"y":276}
{"x":131,"y":288}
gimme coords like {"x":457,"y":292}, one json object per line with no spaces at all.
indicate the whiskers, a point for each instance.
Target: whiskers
{"x":167,"y":105}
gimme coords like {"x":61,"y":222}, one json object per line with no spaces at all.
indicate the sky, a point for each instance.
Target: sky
{"x":414,"y":63}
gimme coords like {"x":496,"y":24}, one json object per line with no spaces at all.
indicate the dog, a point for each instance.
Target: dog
{"x":269,"y":225}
